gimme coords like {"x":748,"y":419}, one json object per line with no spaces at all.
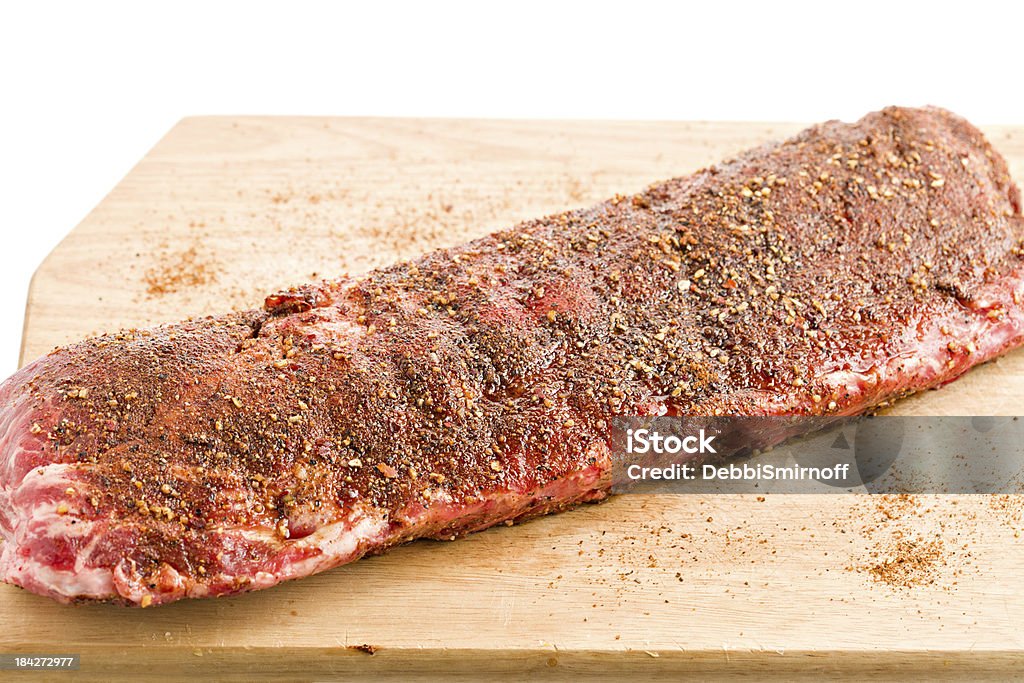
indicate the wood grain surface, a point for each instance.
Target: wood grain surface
{"x":225,"y":210}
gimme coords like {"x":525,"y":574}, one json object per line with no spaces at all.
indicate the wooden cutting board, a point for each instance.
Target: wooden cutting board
{"x":225,"y":210}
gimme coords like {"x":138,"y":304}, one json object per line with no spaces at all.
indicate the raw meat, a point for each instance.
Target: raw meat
{"x":846,"y":267}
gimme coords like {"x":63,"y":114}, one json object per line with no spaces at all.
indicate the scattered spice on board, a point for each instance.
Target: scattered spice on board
{"x":908,"y":563}
{"x":365,"y":647}
{"x":177,"y":271}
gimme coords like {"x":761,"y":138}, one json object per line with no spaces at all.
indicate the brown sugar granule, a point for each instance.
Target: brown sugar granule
{"x":178,"y":271}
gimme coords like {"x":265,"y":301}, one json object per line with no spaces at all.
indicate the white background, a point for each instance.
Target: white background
{"x":87,"y":87}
